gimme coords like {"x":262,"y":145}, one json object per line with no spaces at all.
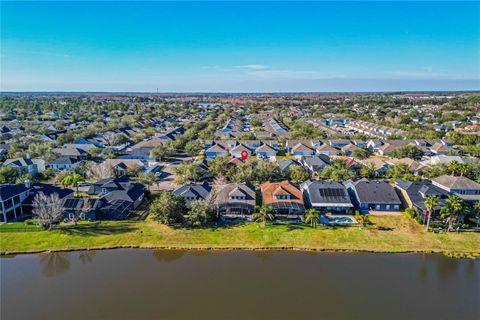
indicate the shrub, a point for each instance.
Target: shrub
{"x":410,"y":213}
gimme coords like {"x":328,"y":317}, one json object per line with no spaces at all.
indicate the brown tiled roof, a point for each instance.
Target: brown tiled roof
{"x":270,"y":189}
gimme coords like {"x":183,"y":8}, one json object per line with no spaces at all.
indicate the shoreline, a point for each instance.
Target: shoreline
{"x":452,"y":254}
{"x":387,"y":234}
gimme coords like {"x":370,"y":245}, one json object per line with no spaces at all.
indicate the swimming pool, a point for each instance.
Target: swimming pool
{"x":338,"y":220}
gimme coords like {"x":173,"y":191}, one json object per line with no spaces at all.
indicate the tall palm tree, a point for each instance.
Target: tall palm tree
{"x":476,"y":208}
{"x":463,"y":169}
{"x":73,"y":180}
{"x":453,"y":167}
{"x":457,"y":206}
{"x":264,"y":214}
{"x":311,"y":217}
{"x":430,"y":203}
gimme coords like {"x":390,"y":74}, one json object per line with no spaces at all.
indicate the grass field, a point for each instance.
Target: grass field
{"x":386,"y":234}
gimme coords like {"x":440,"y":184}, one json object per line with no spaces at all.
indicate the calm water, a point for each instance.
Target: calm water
{"x":142,"y":284}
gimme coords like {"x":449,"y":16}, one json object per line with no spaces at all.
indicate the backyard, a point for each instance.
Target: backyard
{"x":385,"y":234}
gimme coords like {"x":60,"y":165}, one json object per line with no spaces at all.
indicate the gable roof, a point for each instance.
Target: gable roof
{"x":18,"y":162}
{"x":201,"y":190}
{"x":375,"y":191}
{"x":453,"y":182}
{"x":236,"y":189}
{"x":285,"y":164}
{"x":327,"y":193}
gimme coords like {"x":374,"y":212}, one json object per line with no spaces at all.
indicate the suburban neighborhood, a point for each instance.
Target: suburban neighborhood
{"x":197,"y":160}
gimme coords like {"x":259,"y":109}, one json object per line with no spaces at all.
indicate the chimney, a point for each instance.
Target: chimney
{"x":27,"y":183}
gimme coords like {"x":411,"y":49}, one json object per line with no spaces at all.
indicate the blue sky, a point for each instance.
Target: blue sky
{"x":240,"y":47}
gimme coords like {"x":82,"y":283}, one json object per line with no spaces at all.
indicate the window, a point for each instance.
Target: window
{"x":396,"y":206}
{"x":388,"y":207}
{"x":377,"y":207}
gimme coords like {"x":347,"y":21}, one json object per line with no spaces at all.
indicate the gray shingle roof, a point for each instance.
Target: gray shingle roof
{"x":376,"y":191}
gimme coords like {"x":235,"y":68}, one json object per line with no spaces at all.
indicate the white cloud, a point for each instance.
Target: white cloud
{"x":253,"y":67}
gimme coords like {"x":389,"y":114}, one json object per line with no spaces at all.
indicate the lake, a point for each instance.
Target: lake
{"x":146,"y":284}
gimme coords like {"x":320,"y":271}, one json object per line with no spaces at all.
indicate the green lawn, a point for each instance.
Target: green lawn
{"x":387,"y":234}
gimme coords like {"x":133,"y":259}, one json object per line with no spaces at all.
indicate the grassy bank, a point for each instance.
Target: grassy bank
{"x":386,"y":234}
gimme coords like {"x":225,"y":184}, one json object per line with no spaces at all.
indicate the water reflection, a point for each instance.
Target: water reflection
{"x":54,"y":264}
{"x":422,"y":269}
{"x":264,"y":255}
{"x":86,"y":256}
{"x":168,"y":255}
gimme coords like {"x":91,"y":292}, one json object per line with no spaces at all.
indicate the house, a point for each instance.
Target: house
{"x":413,"y":195}
{"x":284,"y":197}
{"x":289,"y":144}
{"x":83,"y":146}
{"x":266,"y":151}
{"x":23,"y":165}
{"x":443,"y":159}
{"x":117,"y":196}
{"x":141,"y":153}
{"x":327,"y":196}
{"x":79,"y":154}
{"x":374,"y":195}
{"x":193,"y":191}
{"x":349,"y":148}
{"x":380,"y":166}
{"x":339,"y":143}
{"x":463,"y":187}
{"x":16,"y":201}
{"x":238,"y":150}
{"x":215,"y":151}
{"x":11,"y":198}
{"x":64,"y":163}
{"x":413,"y":166}
{"x":443,"y":148}
{"x":327,"y":150}
{"x":119,"y":204}
{"x":316,"y":163}
{"x":235,"y":199}
{"x":301,"y":150}
{"x":4,"y":150}
{"x":121,"y":166}
{"x":286,"y":164}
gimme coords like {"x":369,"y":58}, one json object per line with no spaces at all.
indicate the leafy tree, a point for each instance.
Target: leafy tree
{"x":218,"y":166}
{"x":266,"y":170}
{"x":407,"y":151}
{"x":263,"y":214}
{"x":401,"y":171}
{"x":298,"y":173}
{"x":199,"y":213}
{"x":244,"y":172}
{"x":161,"y":152}
{"x":119,"y":139}
{"x":311,"y":217}
{"x":360,"y":154}
{"x":435,"y":171}
{"x":188,"y":172}
{"x":368,"y":171}
{"x":193,"y":147}
{"x":8,"y":174}
{"x":338,"y":171}
{"x":168,"y":208}
{"x":108,"y":153}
